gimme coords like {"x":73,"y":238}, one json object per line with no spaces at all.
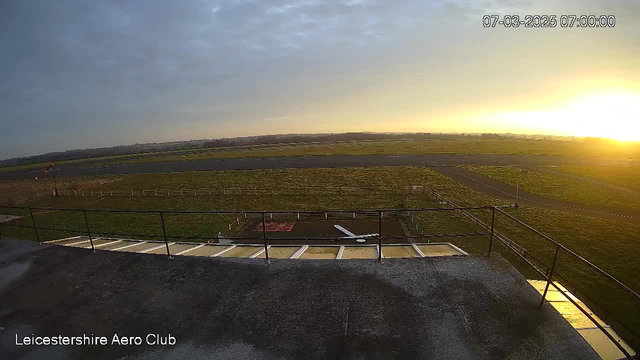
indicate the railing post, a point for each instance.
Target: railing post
{"x":264,"y":238}
{"x":493,"y":222}
{"x":33,"y":221}
{"x":379,"y":236}
{"x":550,"y":277}
{"x":86,"y":222}
{"x":164,"y":233}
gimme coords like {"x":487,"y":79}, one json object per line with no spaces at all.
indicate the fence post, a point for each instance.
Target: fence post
{"x":550,"y":277}
{"x":264,"y":237}
{"x":379,"y":236}
{"x":493,"y":222}
{"x":33,"y":221}
{"x":86,"y":222}
{"x":164,"y":233}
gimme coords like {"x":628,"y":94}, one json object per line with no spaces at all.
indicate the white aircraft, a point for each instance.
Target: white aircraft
{"x":350,"y":235}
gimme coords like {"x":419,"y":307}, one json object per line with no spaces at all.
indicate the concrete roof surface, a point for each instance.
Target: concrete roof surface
{"x":462,"y":307}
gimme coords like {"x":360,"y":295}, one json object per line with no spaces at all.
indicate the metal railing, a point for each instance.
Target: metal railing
{"x":552,"y":271}
{"x":528,"y":258}
{"x":379,"y":215}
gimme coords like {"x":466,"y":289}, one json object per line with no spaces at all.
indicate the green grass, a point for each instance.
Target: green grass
{"x":555,"y":187}
{"x":211,"y":224}
{"x":471,"y":145}
{"x":18,"y":191}
{"x":609,"y":244}
{"x":43,"y":165}
{"x":624,"y":175}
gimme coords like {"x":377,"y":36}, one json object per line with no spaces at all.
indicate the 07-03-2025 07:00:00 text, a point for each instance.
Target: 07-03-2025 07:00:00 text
{"x":549,"y":21}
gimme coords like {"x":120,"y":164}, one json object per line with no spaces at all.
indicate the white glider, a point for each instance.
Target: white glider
{"x":350,"y":235}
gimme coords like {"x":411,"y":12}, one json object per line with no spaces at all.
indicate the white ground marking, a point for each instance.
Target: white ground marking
{"x":105,"y":244}
{"x":458,"y":249}
{"x":128,"y":246}
{"x":76,"y":243}
{"x":299,"y":252}
{"x":153,"y":248}
{"x":257,"y":253}
{"x":340,"y":252}
{"x":58,"y":240}
{"x":224,"y":251}
{"x":417,"y":249}
{"x":190,"y":249}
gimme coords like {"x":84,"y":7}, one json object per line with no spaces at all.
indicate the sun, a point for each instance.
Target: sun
{"x":613,"y":115}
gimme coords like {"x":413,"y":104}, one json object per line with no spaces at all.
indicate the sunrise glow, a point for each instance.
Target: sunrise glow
{"x":612,"y":114}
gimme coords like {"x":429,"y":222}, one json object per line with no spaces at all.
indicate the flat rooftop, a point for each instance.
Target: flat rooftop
{"x":455,"y":307}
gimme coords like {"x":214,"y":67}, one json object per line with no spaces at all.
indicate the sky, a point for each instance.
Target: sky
{"x":80,"y":74}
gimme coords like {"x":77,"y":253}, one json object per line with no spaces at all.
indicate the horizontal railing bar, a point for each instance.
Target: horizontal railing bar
{"x":508,"y":246}
{"x":247,"y":211}
{"x":571,"y":252}
{"x":45,"y":228}
{"x":399,"y":237}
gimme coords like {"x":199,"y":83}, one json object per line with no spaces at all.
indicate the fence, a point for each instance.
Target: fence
{"x":548,"y":273}
{"x":254,"y":190}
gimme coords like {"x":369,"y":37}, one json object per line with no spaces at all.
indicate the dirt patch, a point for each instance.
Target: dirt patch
{"x":438,"y":250}
{"x":360,"y":252}
{"x":241,"y":251}
{"x":280,"y":252}
{"x":320,"y":252}
{"x":399,"y":252}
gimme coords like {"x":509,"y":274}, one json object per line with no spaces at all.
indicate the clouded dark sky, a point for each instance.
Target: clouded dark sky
{"x":76,"y":73}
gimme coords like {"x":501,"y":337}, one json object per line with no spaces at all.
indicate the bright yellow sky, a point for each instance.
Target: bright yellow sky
{"x":611,"y":114}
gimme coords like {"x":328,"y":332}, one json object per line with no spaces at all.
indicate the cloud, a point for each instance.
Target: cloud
{"x":73,"y":67}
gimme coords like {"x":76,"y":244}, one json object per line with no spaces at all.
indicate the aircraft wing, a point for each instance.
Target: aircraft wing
{"x":367,"y":235}
{"x":345,"y":231}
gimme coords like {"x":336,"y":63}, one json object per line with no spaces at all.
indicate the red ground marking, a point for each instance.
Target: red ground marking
{"x":276,"y":226}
